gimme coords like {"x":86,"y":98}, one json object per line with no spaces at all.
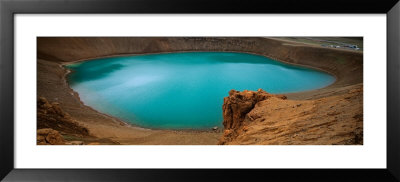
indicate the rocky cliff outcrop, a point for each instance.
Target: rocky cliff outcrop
{"x":48,"y":136}
{"x":262,"y":118}
{"x":51,"y":116}
{"x":236,"y":107}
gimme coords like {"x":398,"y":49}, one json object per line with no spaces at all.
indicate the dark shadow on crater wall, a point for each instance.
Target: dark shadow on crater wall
{"x":91,"y":74}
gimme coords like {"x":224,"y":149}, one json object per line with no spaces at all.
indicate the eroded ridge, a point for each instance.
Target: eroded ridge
{"x":262,"y":118}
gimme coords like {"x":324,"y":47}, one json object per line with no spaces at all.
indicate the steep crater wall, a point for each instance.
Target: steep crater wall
{"x":347,"y":66}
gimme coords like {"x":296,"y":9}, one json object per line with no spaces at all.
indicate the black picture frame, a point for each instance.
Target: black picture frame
{"x":9,"y":8}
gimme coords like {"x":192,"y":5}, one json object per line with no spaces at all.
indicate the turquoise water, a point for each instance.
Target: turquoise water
{"x":182,"y":90}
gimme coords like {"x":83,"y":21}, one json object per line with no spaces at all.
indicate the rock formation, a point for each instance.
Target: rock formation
{"x":52,"y":121}
{"x":237,"y":105}
{"x":48,"y":136}
{"x":262,"y":118}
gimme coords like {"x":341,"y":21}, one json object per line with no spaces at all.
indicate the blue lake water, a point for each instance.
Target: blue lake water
{"x":182,"y":90}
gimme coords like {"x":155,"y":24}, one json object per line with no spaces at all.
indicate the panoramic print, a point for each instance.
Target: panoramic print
{"x":199,"y":91}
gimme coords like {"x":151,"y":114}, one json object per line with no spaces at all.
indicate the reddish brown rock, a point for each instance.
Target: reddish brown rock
{"x":259,"y":118}
{"x":50,"y":115}
{"x":48,"y":136}
{"x":238,"y":104}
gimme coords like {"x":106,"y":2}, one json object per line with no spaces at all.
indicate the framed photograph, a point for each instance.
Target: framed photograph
{"x":123,"y":91}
